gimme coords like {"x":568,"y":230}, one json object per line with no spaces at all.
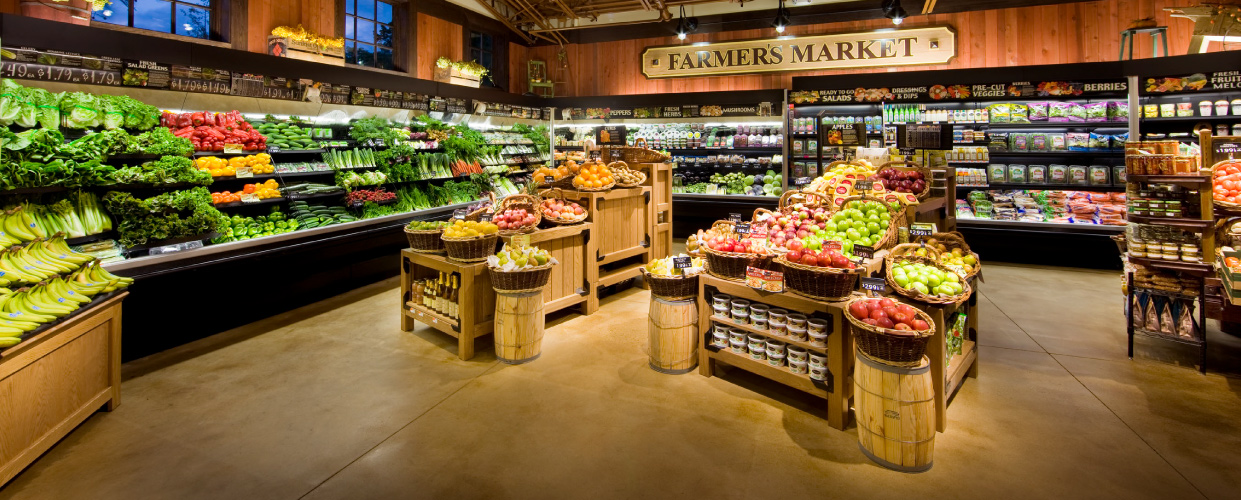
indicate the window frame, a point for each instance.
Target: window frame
{"x":400,"y":34}
{"x":469,"y":46}
{"x":217,"y":17}
{"x":499,"y":52}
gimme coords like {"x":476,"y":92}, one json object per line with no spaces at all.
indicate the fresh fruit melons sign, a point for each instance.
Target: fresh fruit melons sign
{"x":919,"y":46}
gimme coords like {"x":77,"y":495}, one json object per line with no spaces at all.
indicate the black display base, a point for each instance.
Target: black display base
{"x":1090,"y":251}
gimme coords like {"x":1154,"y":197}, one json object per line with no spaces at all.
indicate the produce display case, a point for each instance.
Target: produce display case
{"x":1041,"y":143}
{"x":342,"y":239}
{"x":694,"y":129}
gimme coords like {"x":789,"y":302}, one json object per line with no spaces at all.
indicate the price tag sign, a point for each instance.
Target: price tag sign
{"x":743,"y":228}
{"x":459,"y":213}
{"x":832,"y":245}
{"x":356,"y":204}
{"x":485,"y":217}
{"x":734,"y":217}
{"x":802,"y":180}
{"x":244,"y":172}
{"x":921,"y":229}
{"x":249,"y":198}
{"x":863,"y":251}
{"x":877,"y":285}
{"x":547,"y":179}
{"x":681,"y":262}
{"x":234,"y":148}
{"x":864,"y":185}
{"x":273,"y":149}
{"x":521,"y":240}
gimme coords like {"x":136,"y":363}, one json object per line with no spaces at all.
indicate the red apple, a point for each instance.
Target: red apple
{"x":902,"y":326}
{"x":891,"y":312}
{"x":919,"y":325}
{"x":870,"y":321}
{"x":858,"y":310}
{"x":878,"y":314}
{"x":793,"y":255}
{"x":809,"y":260}
{"x":884,"y":322}
{"x":796,"y":245}
{"x":886,"y":302}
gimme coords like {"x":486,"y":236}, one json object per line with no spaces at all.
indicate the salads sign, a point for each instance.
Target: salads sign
{"x":919,"y":46}
{"x":1101,"y":88}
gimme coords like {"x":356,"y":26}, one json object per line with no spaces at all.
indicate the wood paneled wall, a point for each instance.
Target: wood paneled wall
{"x":1054,"y":34}
{"x":318,"y":16}
{"x":436,"y":38}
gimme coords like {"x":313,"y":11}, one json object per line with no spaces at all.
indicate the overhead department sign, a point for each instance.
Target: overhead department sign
{"x":920,"y":46}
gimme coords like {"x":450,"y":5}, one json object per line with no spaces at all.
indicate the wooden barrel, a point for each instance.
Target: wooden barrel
{"x":895,"y":409}
{"x":519,"y":326}
{"x":672,"y":338}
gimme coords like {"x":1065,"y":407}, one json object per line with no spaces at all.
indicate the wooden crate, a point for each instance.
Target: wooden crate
{"x":572,"y":282}
{"x":623,"y":218}
{"x":659,"y":178}
{"x":478,"y":299}
{"x":55,"y":380}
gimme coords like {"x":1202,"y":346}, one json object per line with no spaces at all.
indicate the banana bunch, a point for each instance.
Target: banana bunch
{"x":25,"y":309}
{"x":39,"y":259}
{"x":17,"y":227}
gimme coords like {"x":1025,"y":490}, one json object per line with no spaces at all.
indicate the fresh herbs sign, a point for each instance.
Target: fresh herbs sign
{"x":920,"y":46}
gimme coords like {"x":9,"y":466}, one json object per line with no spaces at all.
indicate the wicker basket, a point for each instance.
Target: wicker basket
{"x":897,"y":221}
{"x":919,"y":296}
{"x":820,"y":283}
{"x":912,"y":166}
{"x":425,"y":241}
{"x":521,"y":281}
{"x":671,"y":287}
{"x":638,"y":153}
{"x":558,"y":194}
{"x":474,"y":249}
{"x":525,"y":201}
{"x":1217,"y":168}
{"x":732,"y":265}
{"x":488,"y":208}
{"x":909,"y":249}
{"x":953,"y":239}
{"x":894,"y":347}
{"x":620,"y":165}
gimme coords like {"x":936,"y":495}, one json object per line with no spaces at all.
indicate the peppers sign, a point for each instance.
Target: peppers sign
{"x":918,"y":46}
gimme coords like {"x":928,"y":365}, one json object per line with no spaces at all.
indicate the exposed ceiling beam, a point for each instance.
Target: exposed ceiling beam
{"x":504,"y":19}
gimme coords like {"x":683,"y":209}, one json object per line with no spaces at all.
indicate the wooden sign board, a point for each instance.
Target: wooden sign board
{"x":918,"y":46}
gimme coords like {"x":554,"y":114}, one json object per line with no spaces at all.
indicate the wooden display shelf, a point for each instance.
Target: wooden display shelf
{"x":1170,"y":179}
{"x":1199,"y":224}
{"x":423,"y":314}
{"x":56,"y":379}
{"x":612,"y":277}
{"x":959,"y":366}
{"x":767,"y":333}
{"x":799,"y":381}
{"x":623,"y":214}
{"x":572,"y":281}
{"x":838,"y":390}
{"x":477,"y":299}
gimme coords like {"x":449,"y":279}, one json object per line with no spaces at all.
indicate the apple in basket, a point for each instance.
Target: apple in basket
{"x":514,"y":218}
{"x":886,"y":313}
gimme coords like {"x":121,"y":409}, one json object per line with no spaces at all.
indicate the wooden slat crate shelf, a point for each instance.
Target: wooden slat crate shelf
{"x":572,"y":282}
{"x":56,"y":379}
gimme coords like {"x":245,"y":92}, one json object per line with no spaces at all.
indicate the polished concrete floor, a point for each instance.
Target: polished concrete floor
{"x":334,"y":401}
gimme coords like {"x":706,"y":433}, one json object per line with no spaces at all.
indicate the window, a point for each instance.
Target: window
{"x":190,"y":18}
{"x":482,"y":49}
{"x":369,"y":33}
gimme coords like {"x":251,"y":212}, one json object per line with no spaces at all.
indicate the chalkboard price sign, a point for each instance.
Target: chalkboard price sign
{"x":863,"y":251}
{"x":681,"y":262}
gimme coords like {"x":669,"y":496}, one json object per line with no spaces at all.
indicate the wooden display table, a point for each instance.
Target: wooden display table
{"x":56,"y":379}
{"x":838,"y":388}
{"x":572,"y":282}
{"x":478,"y":300}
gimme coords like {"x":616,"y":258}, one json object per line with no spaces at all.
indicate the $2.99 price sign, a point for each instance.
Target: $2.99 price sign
{"x":877,"y":285}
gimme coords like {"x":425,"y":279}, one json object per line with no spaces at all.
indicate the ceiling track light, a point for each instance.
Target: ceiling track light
{"x":892,"y":10}
{"x":686,"y":25}
{"x":783,"y":19}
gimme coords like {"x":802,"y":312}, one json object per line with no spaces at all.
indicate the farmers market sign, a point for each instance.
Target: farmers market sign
{"x":920,"y":46}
